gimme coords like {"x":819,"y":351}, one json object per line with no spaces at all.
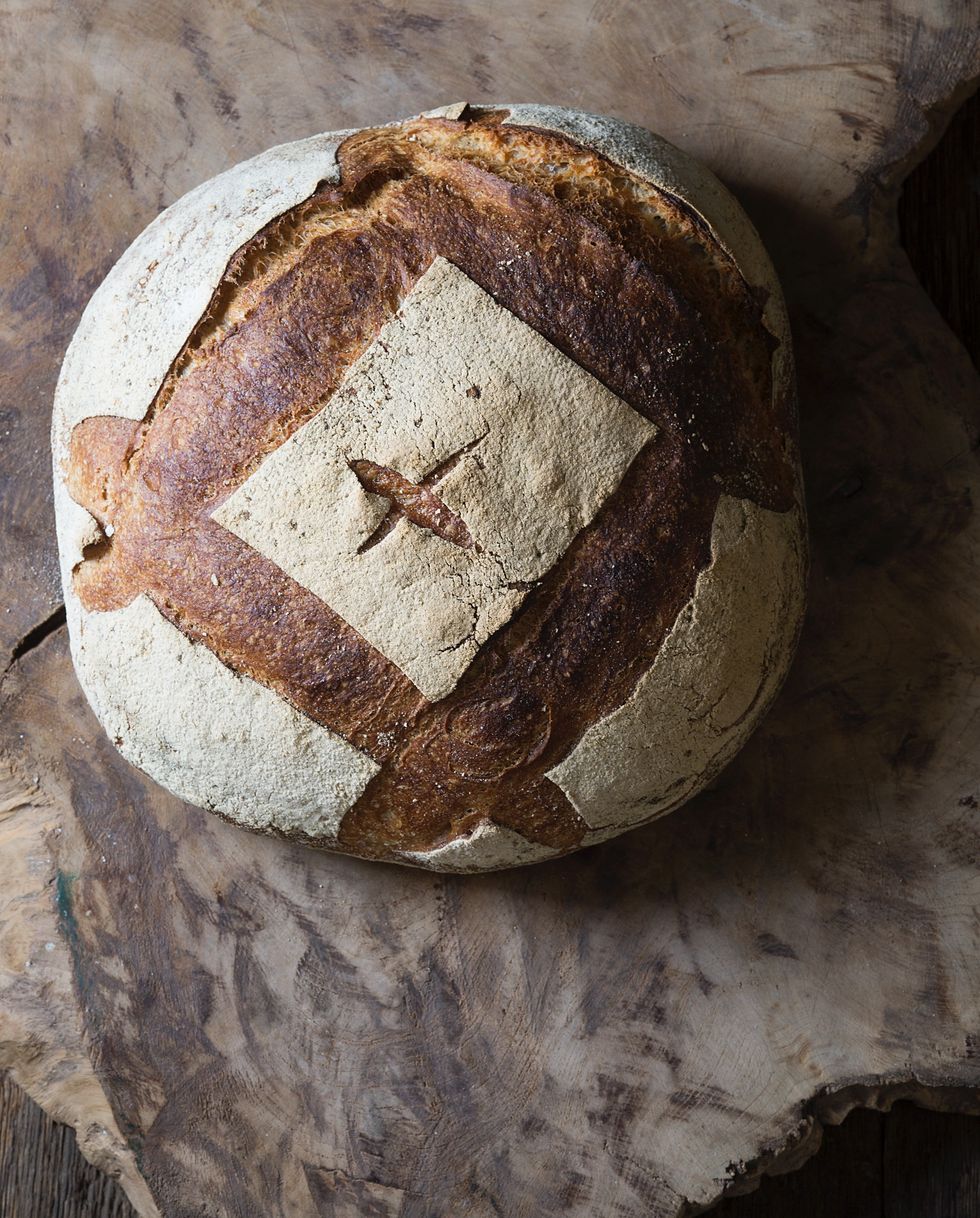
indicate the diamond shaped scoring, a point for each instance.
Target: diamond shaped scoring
{"x":541,"y":444}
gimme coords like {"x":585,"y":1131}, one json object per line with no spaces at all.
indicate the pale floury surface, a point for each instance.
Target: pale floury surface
{"x":244,"y":777}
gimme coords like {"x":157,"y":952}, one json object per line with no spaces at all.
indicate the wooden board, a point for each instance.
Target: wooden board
{"x":245,"y":1028}
{"x":909,"y":1162}
{"x":42,"y":1174}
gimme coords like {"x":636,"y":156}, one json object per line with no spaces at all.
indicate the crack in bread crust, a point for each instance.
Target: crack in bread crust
{"x":625,"y":281}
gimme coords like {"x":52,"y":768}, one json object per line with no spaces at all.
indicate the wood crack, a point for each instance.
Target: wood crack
{"x":36,"y":636}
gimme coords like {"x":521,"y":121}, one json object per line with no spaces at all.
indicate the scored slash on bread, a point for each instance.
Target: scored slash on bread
{"x":415,"y":502}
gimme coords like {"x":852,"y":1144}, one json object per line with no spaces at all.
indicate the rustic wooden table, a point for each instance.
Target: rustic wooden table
{"x":869,"y":351}
{"x":908,"y":1163}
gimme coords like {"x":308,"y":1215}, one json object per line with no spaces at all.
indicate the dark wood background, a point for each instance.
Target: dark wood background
{"x":909,"y":1163}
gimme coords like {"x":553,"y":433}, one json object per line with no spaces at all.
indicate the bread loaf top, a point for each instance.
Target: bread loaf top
{"x":430,"y":492}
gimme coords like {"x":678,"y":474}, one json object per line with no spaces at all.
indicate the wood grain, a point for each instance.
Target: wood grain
{"x":908,"y":1163}
{"x":42,"y":1175}
{"x":939,"y":221}
{"x":844,"y":1179}
{"x":624,"y":1032}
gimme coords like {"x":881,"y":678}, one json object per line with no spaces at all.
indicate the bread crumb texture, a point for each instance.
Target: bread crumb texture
{"x":430,"y":492}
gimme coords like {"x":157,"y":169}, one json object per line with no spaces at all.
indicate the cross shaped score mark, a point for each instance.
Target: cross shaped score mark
{"x":415,"y":501}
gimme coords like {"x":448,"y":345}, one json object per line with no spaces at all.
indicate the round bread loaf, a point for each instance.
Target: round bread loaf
{"x":431,"y":492}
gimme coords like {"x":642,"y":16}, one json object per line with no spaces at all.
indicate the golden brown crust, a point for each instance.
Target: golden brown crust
{"x":622,"y":279}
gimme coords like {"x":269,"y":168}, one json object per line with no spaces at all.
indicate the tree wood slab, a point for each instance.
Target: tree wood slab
{"x":241,"y":1027}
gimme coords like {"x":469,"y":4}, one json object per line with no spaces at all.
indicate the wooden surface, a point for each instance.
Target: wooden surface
{"x":825,"y":891}
{"x":42,"y":1175}
{"x":907,"y":1163}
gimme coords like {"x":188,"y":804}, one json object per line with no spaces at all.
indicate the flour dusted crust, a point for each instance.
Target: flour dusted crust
{"x":699,"y":700}
{"x":660,"y":162}
{"x":586,"y":586}
{"x":242,"y":728}
{"x":139,"y":317}
{"x":522,"y":500}
{"x":487,"y":847}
